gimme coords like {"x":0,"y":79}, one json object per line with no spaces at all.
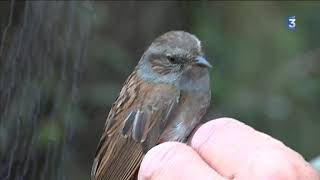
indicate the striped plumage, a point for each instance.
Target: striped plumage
{"x":162,"y":100}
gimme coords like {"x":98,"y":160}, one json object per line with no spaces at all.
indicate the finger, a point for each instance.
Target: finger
{"x":173,"y":161}
{"x":277,"y":163}
{"x":227,"y":145}
{"x":237,"y":151}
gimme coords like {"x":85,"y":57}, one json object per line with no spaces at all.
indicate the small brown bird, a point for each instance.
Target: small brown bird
{"x":163,"y":99}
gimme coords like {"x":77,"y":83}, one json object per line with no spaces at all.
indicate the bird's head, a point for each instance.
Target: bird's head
{"x":170,"y":56}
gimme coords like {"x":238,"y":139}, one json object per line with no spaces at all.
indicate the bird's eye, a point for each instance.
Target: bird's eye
{"x":172,"y":59}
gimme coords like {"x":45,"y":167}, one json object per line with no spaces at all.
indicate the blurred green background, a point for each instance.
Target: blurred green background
{"x":62,"y":65}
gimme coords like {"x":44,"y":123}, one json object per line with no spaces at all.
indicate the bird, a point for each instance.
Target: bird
{"x":163,"y":99}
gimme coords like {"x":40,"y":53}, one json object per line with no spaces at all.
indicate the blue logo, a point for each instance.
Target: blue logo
{"x":291,"y":22}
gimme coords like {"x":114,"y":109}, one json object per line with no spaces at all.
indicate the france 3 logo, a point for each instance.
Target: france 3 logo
{"x":291,"y":22}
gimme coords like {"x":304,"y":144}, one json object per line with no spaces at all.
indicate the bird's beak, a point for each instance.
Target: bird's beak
{"x":201,"y":61}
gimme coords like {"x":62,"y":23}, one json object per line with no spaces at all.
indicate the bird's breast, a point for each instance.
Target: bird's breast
{"x":193,"y":102}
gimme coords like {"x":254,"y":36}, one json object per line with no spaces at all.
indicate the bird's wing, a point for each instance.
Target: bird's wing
{"x":133,"y":126}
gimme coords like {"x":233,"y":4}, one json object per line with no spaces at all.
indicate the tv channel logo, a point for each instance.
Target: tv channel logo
{"x":291,"y":22}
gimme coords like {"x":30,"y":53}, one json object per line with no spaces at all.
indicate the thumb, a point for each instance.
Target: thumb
{"x":173,"y":160}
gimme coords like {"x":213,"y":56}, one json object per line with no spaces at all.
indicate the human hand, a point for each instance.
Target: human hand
{"x":225,"y":149}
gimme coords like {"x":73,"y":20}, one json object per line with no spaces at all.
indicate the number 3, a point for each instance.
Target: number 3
{"x":292,"y":22}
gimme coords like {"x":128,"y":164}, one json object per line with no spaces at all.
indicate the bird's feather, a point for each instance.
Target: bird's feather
{"x":133,"y":126}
